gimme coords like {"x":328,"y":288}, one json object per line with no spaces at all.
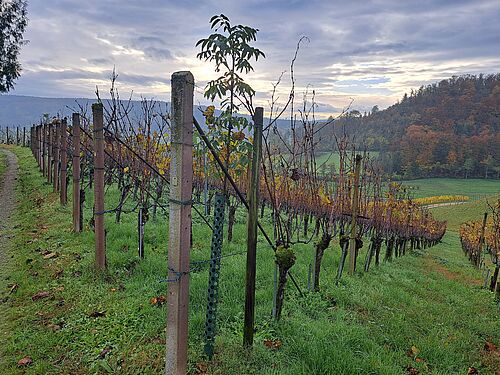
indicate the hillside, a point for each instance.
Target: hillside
{"x":450,"y":128}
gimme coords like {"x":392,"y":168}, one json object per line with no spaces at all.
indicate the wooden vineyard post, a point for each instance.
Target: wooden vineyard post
{"x":481,"y":242}
{"x":49,"y":152}
{"x":181,"y":181}
{"x":57,"y":159}
{"x":24,"y":136}
{"x":64,"y":163}
{"x":253,"y":203}
{"x":17,"y":135}
{"x":100,"y":240}
{"x":352,"y":239}
{"x":76,"y":172}
{"x":44,"y":149}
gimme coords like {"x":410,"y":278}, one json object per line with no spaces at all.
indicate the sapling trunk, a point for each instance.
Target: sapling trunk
{"x":321,"y":246}
{"x":285,"y":259}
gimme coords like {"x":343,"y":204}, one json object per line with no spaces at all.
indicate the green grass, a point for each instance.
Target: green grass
{"x":429,"y":299}
{"x":3,"y":164}
{"x":333,"y":158}
{"x":455,"y":215}
{"x":474,"y":188}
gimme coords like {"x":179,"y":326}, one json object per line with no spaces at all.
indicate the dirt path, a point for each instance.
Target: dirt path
{"x":7,"y":204}
{"x":444,"y":204}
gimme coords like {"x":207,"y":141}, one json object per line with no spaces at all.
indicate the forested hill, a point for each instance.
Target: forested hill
{"x":450,"y":128}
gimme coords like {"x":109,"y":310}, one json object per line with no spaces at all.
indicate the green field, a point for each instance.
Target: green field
{"x":333,"y":158}
{"x":430,"y":300}
{"x":474,"y":188}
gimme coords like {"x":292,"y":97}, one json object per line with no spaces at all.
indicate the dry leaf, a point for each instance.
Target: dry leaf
{"x":26,"y":361}
{"x":201,"y":368}
{"x":13,"y":288}
{"x":413,"y":351}
{"x":54,"y":327}
{"x":98,"y":314}
{"x":490,"y":347}
{"x":412,"y":370}
{"x":158,"y":301}
{"x":472,"y":371}
{"x":104,"y":352}
{"x":50,"y":256}
{"x":273,"y":344}
{"x":40,"y":295}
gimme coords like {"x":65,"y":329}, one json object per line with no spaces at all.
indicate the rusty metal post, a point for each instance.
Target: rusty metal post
{"x":76,"y":172}
{"x":181,"y":185}
{"x":64,"y":163}
{"x":100,"y":239}
{"x":354,"y":213}
{"x":253,"y":203}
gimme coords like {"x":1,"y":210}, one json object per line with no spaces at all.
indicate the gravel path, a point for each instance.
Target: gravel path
{"x":7,"y":204}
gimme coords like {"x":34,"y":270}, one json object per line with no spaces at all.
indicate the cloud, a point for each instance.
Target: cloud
{"x":372,"y":51}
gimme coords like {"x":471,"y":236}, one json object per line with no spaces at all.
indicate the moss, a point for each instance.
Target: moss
{"x":285,"y":257}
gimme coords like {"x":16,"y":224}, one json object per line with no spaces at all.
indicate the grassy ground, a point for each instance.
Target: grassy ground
{"x":91,"y":323}
{"x":3,"y":163}
{"x":457,"y":214}
{"x":329,"y":158}
{"x":474,"y":188}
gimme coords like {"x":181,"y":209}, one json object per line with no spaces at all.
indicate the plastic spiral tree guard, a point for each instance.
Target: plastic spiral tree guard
{"x":213,"y":279}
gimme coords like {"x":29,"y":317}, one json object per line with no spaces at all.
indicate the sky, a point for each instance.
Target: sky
{"x":361,"y":52}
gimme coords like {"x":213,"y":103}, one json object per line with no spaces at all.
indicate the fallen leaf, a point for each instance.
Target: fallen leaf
{"x":13,"y":288}
{"x":412,"y":370}
{"x":26,"y":361}
{"x":40,"y":295}
{"x":273,"y":344}
{"x":57,"y":274}
{"x":472,"y":371}
{"x":50,"y":256}
{"x":104,"y":352}
{"x":158,"y":301}
{"x":419,"y":360}
{"x":113,"y":289}
{"x":201,"y":368}
{"x":413,"y":351}
{"x":98,"y":314}
{"x":54,"y":327}
{"x":490,"y":347}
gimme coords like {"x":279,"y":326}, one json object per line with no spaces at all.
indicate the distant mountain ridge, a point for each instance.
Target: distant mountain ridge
{"x":18,"y":110}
